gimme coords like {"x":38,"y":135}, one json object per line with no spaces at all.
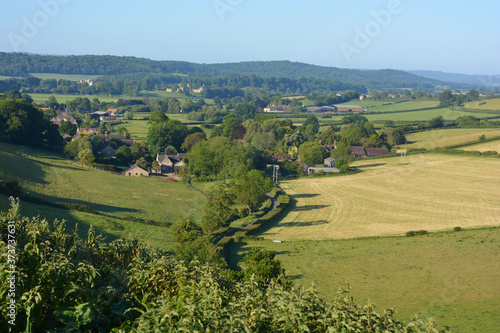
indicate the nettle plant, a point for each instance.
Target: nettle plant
{"x":69,"y":284}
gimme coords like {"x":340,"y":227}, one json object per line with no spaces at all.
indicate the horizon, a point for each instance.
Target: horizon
{"x":390,"y":34}
{"x":246,"y":61}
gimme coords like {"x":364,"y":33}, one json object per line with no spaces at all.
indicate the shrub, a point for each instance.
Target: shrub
{"x":457,"y":229}
{"x":416,"y":233}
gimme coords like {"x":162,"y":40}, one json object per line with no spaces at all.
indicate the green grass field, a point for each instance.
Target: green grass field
{"x":424,"y":115}
{"x":110,"y":228}
{"x":448,"y":137}
{"x":450,"y":276}
{"x":62,"y":98}
{"x":490,"y":104}
{"x":69,"y":77}
{"x":431,"y":192}
{"x":47,"y":175}
{"x":403,"y":106}
{"x":487,"y":146}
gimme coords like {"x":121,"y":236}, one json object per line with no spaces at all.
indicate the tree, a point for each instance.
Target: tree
{"x":252,"y":188}
{"x":192,"y":139}
{"x":436,"y":122}
{"x":446,"y":98}
{"x":124,"y":154}
{"x":312,"y":153}
{"x":128,"y":115}
{"x":51,"y":102}
{"x":244,"y":111}
{"x":86,"y":157}
{"x":168,"y":133}
{"x":68,"y":128}
{"x":157,"y":117}
{"x":217,"y":212}
{"x":263,"y":266}
{"x":312,"y":120}
{"x":342,"y":152}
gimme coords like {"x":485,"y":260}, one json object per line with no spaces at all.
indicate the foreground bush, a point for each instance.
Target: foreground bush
{"x":69,"y":284}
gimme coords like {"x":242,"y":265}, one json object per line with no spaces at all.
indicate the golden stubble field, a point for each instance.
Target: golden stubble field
{"x":430,"y":192}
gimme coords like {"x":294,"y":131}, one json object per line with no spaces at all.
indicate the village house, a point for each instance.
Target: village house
{"x":170,"y":163}
{"x":64,"y":116}
{"x":136,"y":171}
{"x":276,"y":109}
{"x":108,"y":150}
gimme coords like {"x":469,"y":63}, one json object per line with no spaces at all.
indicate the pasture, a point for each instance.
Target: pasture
{"x":404,"y":106}
{"x":489,"y":104}
{"x":424,"y":115}
{"x":51,"y":177}
{"x":63,"y":98}
{"x":110,"y":228}
{"x":447,"y":275}
{"x":69,"y":77}
{"x":487,"y":146}
{"x":448,"y":137}
{"x":430,"y":192}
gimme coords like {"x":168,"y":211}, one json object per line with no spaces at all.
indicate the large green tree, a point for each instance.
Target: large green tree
{"x":244,"y":111}
{"x":167,"y":133}
{"x":312,"y":153}
{"x":252,"y":188}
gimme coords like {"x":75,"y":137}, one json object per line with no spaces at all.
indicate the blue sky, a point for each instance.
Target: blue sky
{"x":450,"y":36}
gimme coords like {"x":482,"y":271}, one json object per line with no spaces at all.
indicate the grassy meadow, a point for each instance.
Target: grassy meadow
{"x":446,"y":275}
{"x":404,"y":106}
{"x":69,"y":77}
{"x":489,"y":104}
{"x":110,"y":228}
{"x":487,"y":146}
{"x":63,"y":98}
{"x":448,"y":137}
{"x":424,"y":115}
{"x":49,"y":176}
{"x":430,"y":192}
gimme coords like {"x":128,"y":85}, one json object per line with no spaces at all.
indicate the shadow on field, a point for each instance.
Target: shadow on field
{"x":298,"y":196}
{"x":303,"y":224}
{"x":309,"y":207}
{"x":96,"y":206}
{"x":295,"y":277}
{"x":370,"y":165}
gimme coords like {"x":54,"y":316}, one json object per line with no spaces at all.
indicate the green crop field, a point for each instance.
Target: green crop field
{"x":448,"y":137}
{"x":424,"y":115}
{"x":47,"y":175}
{"x":138,"y":129}
{"x":487,"y":146}
{"x":489,"y":104}
{"x":451,"y":276}
{"x":165,"y":94}
{"x":69,"y":77}
{"x":430,"y":192}
{"x":62,"y":98}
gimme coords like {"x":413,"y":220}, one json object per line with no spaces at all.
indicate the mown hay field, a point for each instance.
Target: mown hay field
{"x":448,"y":137}
{"x":404,"y":106}
{"x":430,"y":192}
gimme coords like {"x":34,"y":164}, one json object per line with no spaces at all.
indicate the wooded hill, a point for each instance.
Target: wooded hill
{"x":21,"y":64}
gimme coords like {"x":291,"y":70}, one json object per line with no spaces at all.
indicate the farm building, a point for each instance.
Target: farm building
{"x":360,"y":151}
{"x":338,"y":108}
{"x":312,"y":170}
{"x":136,"y":171}
{"x":274,"y":109}
{"x":330,"y":162}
